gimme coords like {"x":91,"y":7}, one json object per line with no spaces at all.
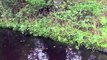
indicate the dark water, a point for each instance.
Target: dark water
{"x":15,"y":46}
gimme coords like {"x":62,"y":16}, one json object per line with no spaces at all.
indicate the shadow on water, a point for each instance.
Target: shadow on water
{"x":15,"y":46}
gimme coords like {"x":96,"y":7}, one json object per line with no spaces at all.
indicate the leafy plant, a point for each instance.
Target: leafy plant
{"x":40,"y":3}
{"x":81,"y":24}
{"x":79,"y":11}
{"x":37,"y":2}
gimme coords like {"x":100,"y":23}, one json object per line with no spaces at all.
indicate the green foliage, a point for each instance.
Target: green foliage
{"x":1,"y":9}
{"x":103,"y":20}
{"x":80,"y":10}
{"x":81,"y":24}
{"x":18,"y":9}
{"x":82,"y":17}
{"x":9,"y":3}
{"x":40,"y":3}
{"x":6,"y":7}
{"x":37,"y":2}
{"x":62,"y":33}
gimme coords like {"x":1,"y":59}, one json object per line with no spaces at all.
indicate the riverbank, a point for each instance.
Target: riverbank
{"x":17,"y":46}
{"x":61,"y":32}
{"x":82,"y":24}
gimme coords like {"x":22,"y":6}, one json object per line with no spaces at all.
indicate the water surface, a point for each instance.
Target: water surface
{"x":15,"y":46}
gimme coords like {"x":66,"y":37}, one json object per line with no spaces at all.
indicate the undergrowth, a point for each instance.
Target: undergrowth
{"x":83,"y":23}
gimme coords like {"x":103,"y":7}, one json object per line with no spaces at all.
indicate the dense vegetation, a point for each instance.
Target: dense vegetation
{"x":68,"y":21}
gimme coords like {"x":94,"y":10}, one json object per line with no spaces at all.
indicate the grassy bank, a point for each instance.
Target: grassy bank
{"x":83,"y":23}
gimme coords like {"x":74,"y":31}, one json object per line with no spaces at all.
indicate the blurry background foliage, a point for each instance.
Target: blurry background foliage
{"x":19,"y":8}
{"x":29,"y":8}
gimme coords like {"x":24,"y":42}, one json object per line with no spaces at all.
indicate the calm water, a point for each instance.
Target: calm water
{"x":15,"y":46}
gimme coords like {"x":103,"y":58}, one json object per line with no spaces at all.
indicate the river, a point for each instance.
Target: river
{"x":17,"y":46}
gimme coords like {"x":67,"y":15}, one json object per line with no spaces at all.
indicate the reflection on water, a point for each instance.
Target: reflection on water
{"x":72,"y":55}
{"x":37,"y":53}
{"x":15,"y":46}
